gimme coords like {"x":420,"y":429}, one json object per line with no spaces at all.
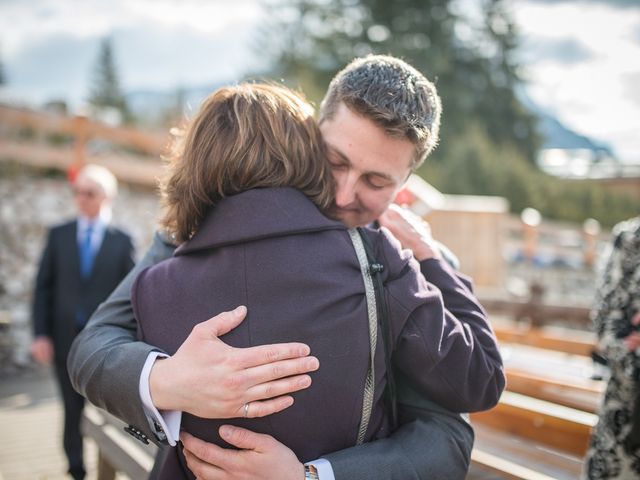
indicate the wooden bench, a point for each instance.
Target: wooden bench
{"x":508,"y":456}
{"x":541,"y":428}
{"x":117,"y":450}
{"x":530,"y":439}
{"x":575,"y":342}
{"x":558,"y":427}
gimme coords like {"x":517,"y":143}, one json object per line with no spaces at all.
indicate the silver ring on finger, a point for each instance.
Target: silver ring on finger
{"x":246,"y":410}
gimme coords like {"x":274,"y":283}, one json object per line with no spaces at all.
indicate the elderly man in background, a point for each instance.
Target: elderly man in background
{"x":83,"y":261}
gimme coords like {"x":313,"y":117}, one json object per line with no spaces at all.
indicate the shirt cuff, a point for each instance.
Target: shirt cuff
{"x":325,"y":471}
{"x":169,"y":420}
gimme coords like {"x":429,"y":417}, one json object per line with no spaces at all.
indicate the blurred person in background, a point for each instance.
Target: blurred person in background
{"x":614,"y":450}
{"x":82,"y":263}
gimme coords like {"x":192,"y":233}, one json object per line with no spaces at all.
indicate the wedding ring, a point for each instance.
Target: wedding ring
{"x":246,"y":410}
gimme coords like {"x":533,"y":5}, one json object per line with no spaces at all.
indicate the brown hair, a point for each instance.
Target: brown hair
{"x":246,"y":136}
{"x":392,"y":94}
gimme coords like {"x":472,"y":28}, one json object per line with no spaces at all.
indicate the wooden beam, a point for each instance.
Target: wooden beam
{"x":583,"y":395}
{"x":515,"y":458}
{"x":578,"y":343}
{"x":561,"y":428}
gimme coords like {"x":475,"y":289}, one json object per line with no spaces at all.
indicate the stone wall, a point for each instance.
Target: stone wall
{"x":30,"y":202}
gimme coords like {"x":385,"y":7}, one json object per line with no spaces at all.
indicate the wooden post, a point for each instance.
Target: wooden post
{"x":80,"y":128}
{"x":531,"y":219}
{"x":590,"y":231}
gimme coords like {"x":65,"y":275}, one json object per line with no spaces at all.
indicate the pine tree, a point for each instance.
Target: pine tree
{"x":3,"y":78}
{"x":106,"y":92}
{"x":469,"y":57}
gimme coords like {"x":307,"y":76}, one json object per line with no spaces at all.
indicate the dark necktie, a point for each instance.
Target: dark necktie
{"x":86,"y":253}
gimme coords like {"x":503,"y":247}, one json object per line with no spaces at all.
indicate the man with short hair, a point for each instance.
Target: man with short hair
{"x":83,"y":261}
{"x":380,"y":119}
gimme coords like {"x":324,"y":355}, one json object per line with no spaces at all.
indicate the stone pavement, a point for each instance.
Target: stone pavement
{"x":31,"y":426}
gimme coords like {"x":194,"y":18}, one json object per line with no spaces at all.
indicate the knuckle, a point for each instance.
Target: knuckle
{"x":277,"y":371}
{"x":272,"y":354}
{"x":269,"y":390}
{"x":259,"y":410}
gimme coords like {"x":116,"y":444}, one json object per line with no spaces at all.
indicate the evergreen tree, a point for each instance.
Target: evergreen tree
{"x":3,"y":78}
{"x":106,"y":92}
{"x":469,"y":57}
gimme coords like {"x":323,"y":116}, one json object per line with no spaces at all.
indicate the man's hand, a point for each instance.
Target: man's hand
{"x":42,"y":350}
{"x":210,"y":379}
{"x":260,"y":456}
{"x":412,"y":232}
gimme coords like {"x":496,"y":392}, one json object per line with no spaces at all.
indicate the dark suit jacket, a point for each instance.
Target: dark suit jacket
{"x":60,"y":289}
{"x":297,"y":272}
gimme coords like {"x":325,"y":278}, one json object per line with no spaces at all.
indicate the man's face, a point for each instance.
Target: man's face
{"x":368,"y":165}
{"x":89,"y":197}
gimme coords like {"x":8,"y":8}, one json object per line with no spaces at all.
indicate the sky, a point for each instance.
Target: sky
{"x":581,"y":57}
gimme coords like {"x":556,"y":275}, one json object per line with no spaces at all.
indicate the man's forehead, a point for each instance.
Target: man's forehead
{"x":372,"y":166}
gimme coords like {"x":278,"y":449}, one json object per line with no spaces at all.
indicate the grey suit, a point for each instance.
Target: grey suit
{"x":432,"y":443}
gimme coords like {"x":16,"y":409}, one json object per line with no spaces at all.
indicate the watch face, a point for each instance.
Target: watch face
{"x":310,"y":472}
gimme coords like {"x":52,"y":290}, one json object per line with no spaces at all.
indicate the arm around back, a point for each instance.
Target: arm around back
{"x":432,"y":443}
{"x":106,"y":359}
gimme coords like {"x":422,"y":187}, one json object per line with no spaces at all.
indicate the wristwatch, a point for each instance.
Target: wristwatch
{"x":310,"y":473}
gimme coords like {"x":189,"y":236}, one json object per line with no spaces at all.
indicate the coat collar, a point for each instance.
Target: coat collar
{"x":257,"y":214}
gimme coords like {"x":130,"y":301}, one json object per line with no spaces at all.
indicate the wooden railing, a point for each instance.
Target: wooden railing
{"x":133,"y":158}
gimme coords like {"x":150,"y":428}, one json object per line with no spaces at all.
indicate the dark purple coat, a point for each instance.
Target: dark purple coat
{"x":298,"y":274}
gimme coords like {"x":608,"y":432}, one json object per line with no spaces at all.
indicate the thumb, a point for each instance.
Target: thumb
{"x":224,"y":322}
{"x":635,"y":320}
{"x":243,"y":438}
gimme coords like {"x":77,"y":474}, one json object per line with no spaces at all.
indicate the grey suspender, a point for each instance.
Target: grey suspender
{"x":372,"y":311}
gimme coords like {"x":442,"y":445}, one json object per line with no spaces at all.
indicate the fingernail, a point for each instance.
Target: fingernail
{"x":313,"y":363}
{"x":225,"y":431}
{"x":304,"y":382}
{"x":239,"y":311}
{"x":305,"y":350}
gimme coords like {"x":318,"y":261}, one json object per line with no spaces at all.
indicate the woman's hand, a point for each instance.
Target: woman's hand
{"x":412,"y":231}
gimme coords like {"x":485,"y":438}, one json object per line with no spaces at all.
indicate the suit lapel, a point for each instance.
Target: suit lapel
{"x":72,"y":249}
{"x":104,"y":253}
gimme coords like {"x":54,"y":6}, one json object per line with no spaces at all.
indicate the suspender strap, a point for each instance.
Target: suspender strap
{"x":372,"y":311}
{"x":376,"y":269}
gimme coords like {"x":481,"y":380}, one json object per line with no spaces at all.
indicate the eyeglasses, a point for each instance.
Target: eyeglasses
{"x":85,"y":192}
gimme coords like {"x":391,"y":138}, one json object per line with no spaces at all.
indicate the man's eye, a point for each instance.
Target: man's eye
{"x":377,"y":183}
{"x":338,"y":166}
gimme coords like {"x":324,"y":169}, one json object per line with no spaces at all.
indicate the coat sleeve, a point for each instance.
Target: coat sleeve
{"x":43,"y":292}
{"x":445,"y":345}
{"x":431,"y":443}
{"x":106,"y":360}
{"x":616,"y":299}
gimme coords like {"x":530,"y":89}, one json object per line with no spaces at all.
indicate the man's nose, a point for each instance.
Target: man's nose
{"x":346,"y":189}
